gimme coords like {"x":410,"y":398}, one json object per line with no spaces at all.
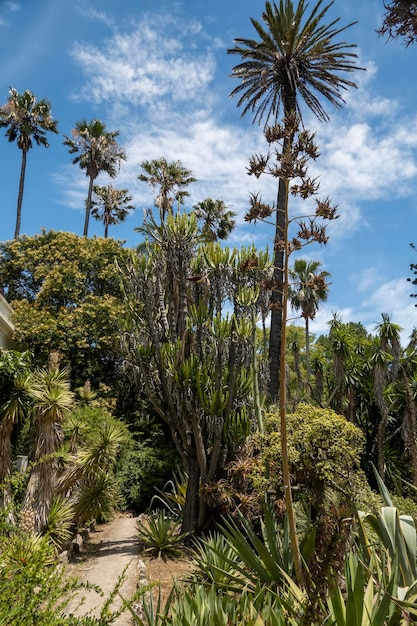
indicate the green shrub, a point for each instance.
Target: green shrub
{"x":32,"y":583}
{"x":324,"y":452}
{"x":142,"y":472}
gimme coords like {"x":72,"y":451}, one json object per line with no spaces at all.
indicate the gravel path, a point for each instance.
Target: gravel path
{"x":114,"y":547}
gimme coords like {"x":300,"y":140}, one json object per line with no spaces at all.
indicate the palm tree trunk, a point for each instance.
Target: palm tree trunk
{"x":276,"y":298}
{"x":20,"y":195}
{"x":88,"y":206}
{"x":307,"y":349}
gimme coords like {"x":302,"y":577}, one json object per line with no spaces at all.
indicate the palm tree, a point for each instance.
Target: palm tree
{"x":52,"y":401}
{"x":386,"y":365}
{"x":170,"y":178}
{"x":96,"y":151}
{"x":296,"y":59}
{"x":110,"y":205}
{"x":308,"y":290}
{"x":217,"y":221}
{"x":27,"y":119}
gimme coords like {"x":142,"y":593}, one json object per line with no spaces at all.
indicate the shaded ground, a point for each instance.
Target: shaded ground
{"x":112,"y":548}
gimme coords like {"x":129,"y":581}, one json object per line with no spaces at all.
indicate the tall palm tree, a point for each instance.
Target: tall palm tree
{"x":96,"y":151}
{"x":170,"y":179}
{"x":386,"y":366}
{"x":295,"y":60}
{"x":27,"y":119}
{"x":110,"y":205}
{"x":52,"y":401}
{"x":217,"y":221}
{"x":308,"y":290}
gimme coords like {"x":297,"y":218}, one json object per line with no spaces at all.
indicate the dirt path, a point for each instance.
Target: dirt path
{"x":113,"y":547}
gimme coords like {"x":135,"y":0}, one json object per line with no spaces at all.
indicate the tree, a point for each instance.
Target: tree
{"x":307,"y":291}
{"x":192,"y":357}
{"x":217,"y":221}
{"x":170,"y":179}
{"x":52,"y":401}
{"x":96,"y":151}
{"x":296,"y":59}
{"x":27,"y":119}
{"x":66,"y":295}
{"x":110,"y":205}
{"x":400,"y":20}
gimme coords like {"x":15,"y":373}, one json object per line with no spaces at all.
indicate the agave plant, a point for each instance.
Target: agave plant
{"x":199,"y":606}
{"x":159,"y":536}
{"x":214,"y":561}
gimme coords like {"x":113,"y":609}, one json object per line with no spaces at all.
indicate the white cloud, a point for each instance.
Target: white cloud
{"x":145,"y":65}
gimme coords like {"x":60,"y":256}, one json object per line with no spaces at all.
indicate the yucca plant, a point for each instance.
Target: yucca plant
{"x":159,"y":536}
{"x":58,"y":527}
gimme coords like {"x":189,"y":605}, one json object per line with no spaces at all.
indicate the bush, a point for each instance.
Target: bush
{"x":324,"y":451}
{"x":32,"y":583}
{"x":142,"y":472}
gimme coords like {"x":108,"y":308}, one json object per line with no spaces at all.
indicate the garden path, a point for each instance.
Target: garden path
{"x":113,"y":547}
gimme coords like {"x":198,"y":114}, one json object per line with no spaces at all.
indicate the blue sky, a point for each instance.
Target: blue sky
{"x":159,"y":73}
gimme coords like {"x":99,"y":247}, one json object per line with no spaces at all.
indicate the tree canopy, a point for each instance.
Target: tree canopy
{"x":66,"y":296}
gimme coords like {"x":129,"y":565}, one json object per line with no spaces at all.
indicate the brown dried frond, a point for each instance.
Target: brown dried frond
{"x":308,"y":188}
{"x":274,"y":133}
{"x":291,"y":123}
{"x":279,"y":244}
{"x":258,"y":209}
{"x":310,"y":231}
{"x":249,"y":264}
{"x":267,"y":284}
{"x":325,"y":210}
{"x":295,"y":245}
{"x":257,"y":164}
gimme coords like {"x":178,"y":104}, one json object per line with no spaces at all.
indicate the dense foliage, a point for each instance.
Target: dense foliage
{"x":65,"y":292}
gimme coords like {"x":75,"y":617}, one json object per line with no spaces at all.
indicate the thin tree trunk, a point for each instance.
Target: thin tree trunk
{"x":307,"y":350}
{"x":283,"y":408}
{"x":20,"y":195}
{"x":88,"y":206}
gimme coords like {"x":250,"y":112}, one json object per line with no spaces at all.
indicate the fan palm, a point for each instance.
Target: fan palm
{"x":170,"y":179}
{"x":217,"y":221}
{"x":295,"y":60}
{"x":110,"y":205}
{"x":27,"y":119}
{"x":308,"y":290}
{"x":96,"y":151}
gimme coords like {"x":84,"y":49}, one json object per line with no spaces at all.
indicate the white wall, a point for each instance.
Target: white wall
{"x":6,"y":326}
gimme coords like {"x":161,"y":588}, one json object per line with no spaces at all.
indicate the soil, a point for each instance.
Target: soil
{"x":112,"y":548}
